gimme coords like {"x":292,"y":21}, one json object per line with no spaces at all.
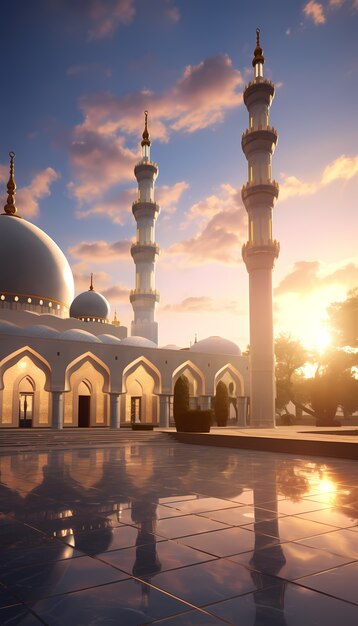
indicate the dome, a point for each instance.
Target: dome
{"x":216,"y":345}
{"x":90,"y":306}
{"x":109,"y":339}
{"x":140,"y":342}
{"x":41,"y":331}
{"x":34,"y":272}
{"x":170,"y":346}
{"x":76,"y":334}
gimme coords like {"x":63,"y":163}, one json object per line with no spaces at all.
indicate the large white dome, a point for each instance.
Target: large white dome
{"x":34,"y":272}
{"x":216,"y":345}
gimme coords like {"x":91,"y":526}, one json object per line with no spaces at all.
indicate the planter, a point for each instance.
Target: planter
{"x":195,"y":421}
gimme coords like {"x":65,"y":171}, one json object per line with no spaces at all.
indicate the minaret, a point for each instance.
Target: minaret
{"x":259,"y":253}
{"x":145,"y":250}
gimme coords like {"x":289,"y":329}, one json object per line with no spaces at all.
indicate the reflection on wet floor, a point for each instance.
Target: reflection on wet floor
{"x":170,"y":533}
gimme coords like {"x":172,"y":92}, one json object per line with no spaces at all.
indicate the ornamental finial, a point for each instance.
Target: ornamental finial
{"x":91,"y":285}
{"x":258,"y":56}
{"x":10,"y":207}
{"x":146,"y":139}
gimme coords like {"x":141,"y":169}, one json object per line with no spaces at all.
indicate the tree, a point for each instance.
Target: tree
{"x":343,"y":320}
{"x":290,"y":357}
{"x":221,"y":404}
{"x":181,"y":397}
{"x":334,"y":383}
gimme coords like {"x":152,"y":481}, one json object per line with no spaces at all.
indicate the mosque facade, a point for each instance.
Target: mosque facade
{"x":64,"y":364}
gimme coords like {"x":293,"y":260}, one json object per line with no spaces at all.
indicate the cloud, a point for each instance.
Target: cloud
{"x":308,"y":276}
{"x":222,"y":230}
{"x":118,"y":209}
{"x":107,"y":16}
{"x":314,"y":11}
{"x":198,"y":99}
{"x":101,"y":250}
{"x":117,"y":292}
{"x":342,"y":168}
{"x":99,"y":156}
{"x":198,"y":304}
{"x":27,"y":198}
{"x":99,"y":163}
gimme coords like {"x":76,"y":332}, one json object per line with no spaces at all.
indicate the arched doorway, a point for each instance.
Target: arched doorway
{"x":26,"y":402}
{"x":142,"y":384}
{"x":24,"y":399}
{"x":84,"y":404}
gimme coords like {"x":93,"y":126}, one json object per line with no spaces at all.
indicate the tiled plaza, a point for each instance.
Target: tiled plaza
{"x":150,"y":530}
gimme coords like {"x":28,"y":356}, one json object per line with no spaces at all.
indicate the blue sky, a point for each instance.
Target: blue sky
{"x":76,"y":78}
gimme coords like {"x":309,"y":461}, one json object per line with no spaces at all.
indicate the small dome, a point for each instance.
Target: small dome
{"x":33,"y":271}
{"x":8,"y":328}
{"x":170,"y":346}
{"x":140,"y":342}
{"x":41,"y":331}
{"x":76,"y":334}
{"x":90,"y":306}
{"x":109,"y":339}
{"x":216,"y":345}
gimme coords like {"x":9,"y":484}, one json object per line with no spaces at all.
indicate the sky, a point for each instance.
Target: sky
{"x":76,"y":78}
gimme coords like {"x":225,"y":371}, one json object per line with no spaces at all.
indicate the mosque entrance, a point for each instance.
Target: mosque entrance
{"x":26,"y":405}
{"x":84,"y":408}
{"x":136,"y":408}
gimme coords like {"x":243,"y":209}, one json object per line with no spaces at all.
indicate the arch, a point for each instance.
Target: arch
{"x":24,"y":398}
{"x":27,"y":384}
{"x":86,"y":377}
{"x":141,"y":385}
{"x":149,"y":367}
{"x":97,"y":363}
{"x":228,"y":373}
{"x":192,"y":372}
{"x":85,"y":387}
{"x":34,"y":356}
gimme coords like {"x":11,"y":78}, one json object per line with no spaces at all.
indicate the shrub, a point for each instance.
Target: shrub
{"x":194,"y":421}
{"x":181,"y":398}
{"x":221,"y":404}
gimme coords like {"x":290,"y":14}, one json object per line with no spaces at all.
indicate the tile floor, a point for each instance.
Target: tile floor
{"x":160,"y":532}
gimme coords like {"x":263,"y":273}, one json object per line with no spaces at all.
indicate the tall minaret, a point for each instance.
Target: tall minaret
{"x":259,"y":253}
{"x":145,"y":250}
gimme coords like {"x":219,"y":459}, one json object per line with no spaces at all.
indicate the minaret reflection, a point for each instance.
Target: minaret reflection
{"x":268,"y":549}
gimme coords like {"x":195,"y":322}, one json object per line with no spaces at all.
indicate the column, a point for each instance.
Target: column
{"x":114,"y":411}
{"x":57,"y":410}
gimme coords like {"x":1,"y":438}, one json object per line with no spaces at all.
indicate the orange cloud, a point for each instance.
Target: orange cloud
{"x":99,"y":163}
{"x":119,"y":211}
{"x":198,"y":304}
{"x":101,"y":250}
{"x":222,"y":230}
{"x":314,"y":11}
{"x":342,"y":168}
{"x":98,"y":154}
{"x":308,"y":276}
{"x":27,"y":198}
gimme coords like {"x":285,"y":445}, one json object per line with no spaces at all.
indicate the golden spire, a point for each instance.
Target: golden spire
{"x":258,"y":56}
{"x":145,"y":140}
{"x":115,"y":321}
{"x":10,"y":207}
{"x":91,"y":285}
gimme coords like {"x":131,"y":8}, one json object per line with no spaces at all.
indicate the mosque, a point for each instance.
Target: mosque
{"x":63,"y":363}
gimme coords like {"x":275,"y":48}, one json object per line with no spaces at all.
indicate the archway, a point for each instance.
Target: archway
{"x":86,"y":404}
{"x":234,"y":383}
{"x":24,"y":400}
{"x":196,"y":381}
{"x":142,"y":383}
